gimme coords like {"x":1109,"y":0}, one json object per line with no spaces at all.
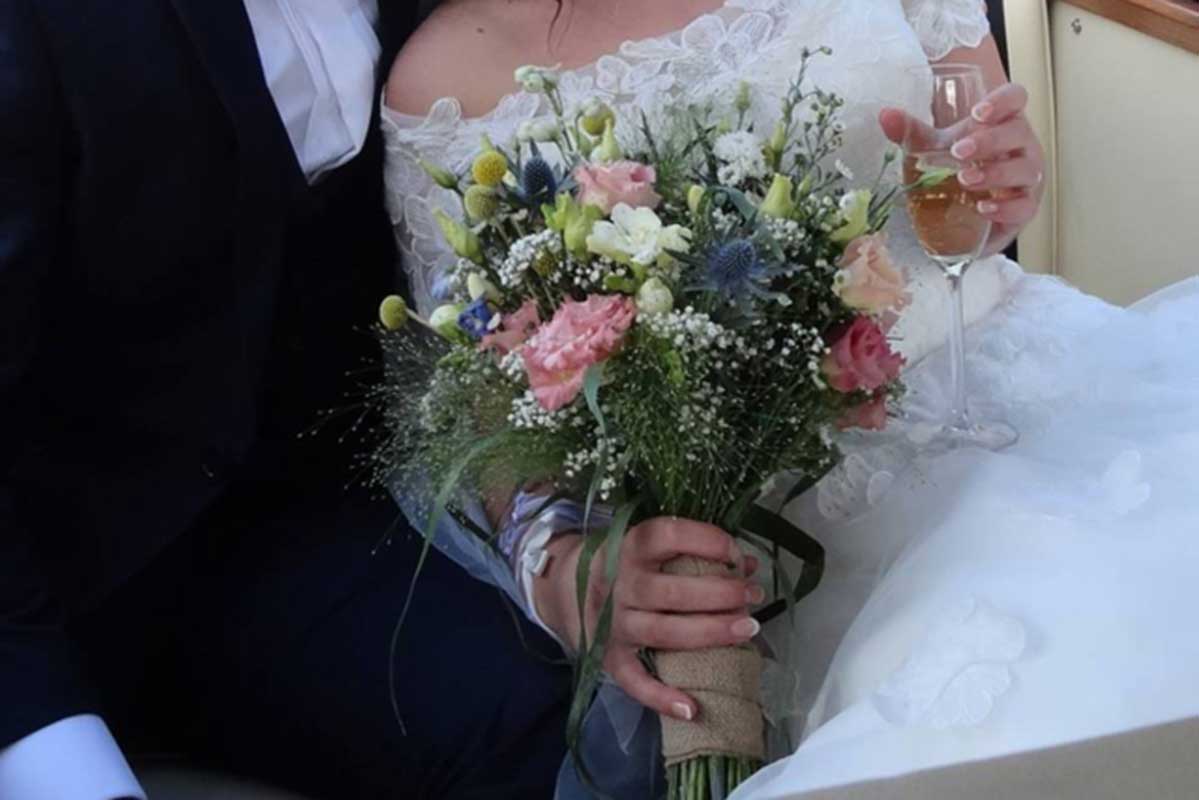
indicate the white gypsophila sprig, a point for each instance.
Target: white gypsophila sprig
{"x":590,"y":274}
{"x":788,"y":234}
{"x":704,"y":417}
{"x":607,"y":451}
{"x":513,"y":367}
{"x":798,"y":342}
{"x":524,"y":252}
{"x":689,"y":330}
{"x":528,"y":414}
{"x":741,"y":157}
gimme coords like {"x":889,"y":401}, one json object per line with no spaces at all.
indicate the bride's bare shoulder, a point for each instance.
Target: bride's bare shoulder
{"x":466,"y":49}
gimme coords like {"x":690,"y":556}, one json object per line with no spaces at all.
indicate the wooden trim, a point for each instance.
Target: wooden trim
{"x":1172,"y":21}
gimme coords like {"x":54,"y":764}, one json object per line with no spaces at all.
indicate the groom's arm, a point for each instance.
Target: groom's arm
{"x":51,"y":744}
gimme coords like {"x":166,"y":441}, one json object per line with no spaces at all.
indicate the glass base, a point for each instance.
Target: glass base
{"x":987,"y":435}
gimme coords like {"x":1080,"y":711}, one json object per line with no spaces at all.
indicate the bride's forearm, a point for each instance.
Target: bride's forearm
{"x":554,"y":590}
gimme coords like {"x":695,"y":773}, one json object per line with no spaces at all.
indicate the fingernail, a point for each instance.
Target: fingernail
{"x":750,"y":565}
{"x":734,"y":553}
{"x":964,"y":149}
{"x":971,"y":176}
{"x":755,"y":595}
{"x":987,"y":207}
{"x":746,"y":628}
{"x":982,"y":111}
{"x":682,"y":711}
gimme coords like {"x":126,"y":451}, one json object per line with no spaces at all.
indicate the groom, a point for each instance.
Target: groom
{"x":191,"y":227}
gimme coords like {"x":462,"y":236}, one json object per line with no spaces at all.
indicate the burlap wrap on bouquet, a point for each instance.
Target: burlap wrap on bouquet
{"x":725,"y":682}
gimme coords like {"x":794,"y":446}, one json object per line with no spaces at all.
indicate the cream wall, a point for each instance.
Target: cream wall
{"x":1121,"y":112}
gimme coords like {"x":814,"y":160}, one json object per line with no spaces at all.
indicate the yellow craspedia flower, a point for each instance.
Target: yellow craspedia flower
{"x":489,"y":168}
{"x":393,"y":312}
{"x":480,"y":203}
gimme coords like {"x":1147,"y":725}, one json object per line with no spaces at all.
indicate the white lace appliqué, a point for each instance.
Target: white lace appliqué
{"x":944,"y":25}
{"x":957,"y":673}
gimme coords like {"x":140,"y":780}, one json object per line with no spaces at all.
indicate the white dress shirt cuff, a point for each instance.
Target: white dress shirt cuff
{"x":73,"y":759}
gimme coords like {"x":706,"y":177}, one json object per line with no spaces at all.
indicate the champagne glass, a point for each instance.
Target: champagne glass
{"x":948,"y":224}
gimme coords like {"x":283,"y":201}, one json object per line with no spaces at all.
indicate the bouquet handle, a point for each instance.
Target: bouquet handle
{"x":726,"y":685}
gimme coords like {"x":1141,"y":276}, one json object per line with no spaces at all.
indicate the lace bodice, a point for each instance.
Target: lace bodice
{"x":873,"y":41}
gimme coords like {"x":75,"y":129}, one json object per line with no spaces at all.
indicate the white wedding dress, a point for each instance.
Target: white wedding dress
{"x":975,"y":604}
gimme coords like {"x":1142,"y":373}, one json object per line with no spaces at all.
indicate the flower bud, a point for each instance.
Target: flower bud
{"x":654,"y":297}
{"x":779,"y":202}
{"x":695,"y":196}
{"x":440,"y":175}
{"x":461,"y":239}
{"x":743,"y":99}
{"x":538,"y":130}
{"x":596,"y":116}
{"x":444,"y":320}
{"x":855,"y":213}
{"x":536,"y":79}
{"x":586,"y":144}
{"x":393,"y":312}
{"x":609,"y":149}
{"x":778,"y":141}
{"x":477,"y":286}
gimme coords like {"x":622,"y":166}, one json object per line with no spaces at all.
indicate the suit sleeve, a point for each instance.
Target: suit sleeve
{"x":41,"y":680}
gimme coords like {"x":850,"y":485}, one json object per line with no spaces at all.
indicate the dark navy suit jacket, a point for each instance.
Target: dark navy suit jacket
{"x":151,"y":214}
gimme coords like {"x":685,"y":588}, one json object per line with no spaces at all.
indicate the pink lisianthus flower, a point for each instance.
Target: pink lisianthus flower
{"x":871,"y":415}
{"x":606,"y":186}
{"x":861,"y":358}
{"x":868,"y":279}
{"x":579,"y":336}
{"x":515,"y":329}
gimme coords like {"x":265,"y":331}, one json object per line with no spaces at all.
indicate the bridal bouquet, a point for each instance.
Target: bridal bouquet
{"x":659,"y":322}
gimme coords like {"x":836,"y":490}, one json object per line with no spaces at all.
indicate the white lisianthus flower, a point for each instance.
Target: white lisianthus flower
{"x":654,"y":297}
{"x":637,"y":236}
{"x":538,"y":130}
{"x":536,"y":79}
{"x":741,"y":155}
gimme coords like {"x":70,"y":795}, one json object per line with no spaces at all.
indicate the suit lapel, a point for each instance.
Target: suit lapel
{"x":221,"y":33}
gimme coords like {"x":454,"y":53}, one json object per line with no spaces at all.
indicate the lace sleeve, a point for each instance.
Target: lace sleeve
{"x":944,"y":25}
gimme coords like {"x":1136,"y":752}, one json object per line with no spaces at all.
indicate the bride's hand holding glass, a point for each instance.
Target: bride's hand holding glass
{"x":1006,"y":160}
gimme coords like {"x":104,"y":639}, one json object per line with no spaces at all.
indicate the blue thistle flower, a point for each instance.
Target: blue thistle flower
{"x":738,"y":274}
{"x":537,"y":180}
{"x":476,"y":319}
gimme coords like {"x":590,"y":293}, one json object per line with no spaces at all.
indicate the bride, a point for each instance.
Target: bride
{"x":976,"y":604}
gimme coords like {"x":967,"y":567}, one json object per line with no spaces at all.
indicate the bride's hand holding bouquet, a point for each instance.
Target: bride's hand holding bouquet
{"x":652,"y":609}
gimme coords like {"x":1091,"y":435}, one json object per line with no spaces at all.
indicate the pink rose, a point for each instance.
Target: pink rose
{"x":868,"y":279}
{"x":579,"y":335}
{"x":871,"y":415}
{"x":608,"y":185}
{"x":862,"y":359}
{"x":515,"y":329}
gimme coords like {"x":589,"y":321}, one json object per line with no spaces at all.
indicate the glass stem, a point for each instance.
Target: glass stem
{"x":958,"y":417}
